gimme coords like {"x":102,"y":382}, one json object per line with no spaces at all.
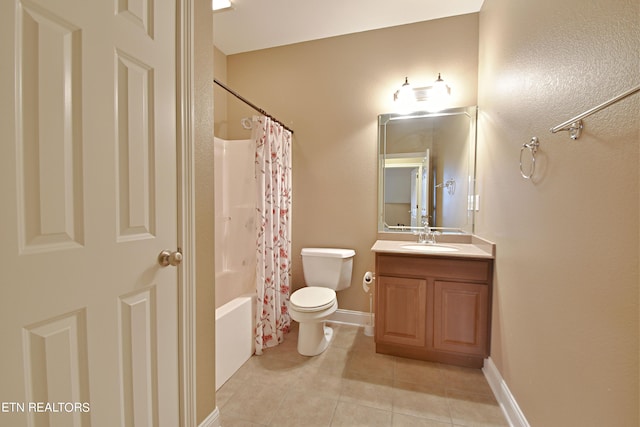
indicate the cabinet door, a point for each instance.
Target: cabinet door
{"x":460,"y":317}
{"x":401,"y":311}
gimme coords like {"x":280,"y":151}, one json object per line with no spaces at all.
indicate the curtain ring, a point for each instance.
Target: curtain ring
{"x":532,"y":146}
{"x":246,"y":123}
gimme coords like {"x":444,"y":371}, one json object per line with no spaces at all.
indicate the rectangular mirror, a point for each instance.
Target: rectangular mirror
{"x":426,"y":171}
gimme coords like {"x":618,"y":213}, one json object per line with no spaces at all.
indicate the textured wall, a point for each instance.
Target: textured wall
{"x":220,"y":98}
{"x":565,"y":324}
{"x":565,"y":319}
{"x":203,"y":136}
{"x":330,"y":92}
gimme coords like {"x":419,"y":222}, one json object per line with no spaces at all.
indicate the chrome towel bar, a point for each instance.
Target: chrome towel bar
{"x":574,"y":125}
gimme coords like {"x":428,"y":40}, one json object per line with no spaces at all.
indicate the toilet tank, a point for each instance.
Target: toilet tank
{"x":327,"y":267}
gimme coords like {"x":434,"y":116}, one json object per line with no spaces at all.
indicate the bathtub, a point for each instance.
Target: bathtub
{"x":234,"y":336}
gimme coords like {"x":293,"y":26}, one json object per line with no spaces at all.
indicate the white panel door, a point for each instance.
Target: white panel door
{"x":88,"y":318}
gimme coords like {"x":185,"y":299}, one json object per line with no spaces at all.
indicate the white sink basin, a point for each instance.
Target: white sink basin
{"x":429,"y":248}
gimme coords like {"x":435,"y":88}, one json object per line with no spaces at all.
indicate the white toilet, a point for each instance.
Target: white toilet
{"x":326,"y":270}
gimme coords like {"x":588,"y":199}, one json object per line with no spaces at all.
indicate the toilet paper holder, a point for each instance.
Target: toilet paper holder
{"x":367,"y":281}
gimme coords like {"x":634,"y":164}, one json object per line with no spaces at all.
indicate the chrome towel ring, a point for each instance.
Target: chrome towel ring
{"x":532,"y":146}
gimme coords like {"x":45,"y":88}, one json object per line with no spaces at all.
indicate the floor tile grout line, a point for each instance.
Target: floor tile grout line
{"x":351,"y":343}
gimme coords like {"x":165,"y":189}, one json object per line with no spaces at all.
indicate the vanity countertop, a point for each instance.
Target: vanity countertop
{"x":474,"y":248}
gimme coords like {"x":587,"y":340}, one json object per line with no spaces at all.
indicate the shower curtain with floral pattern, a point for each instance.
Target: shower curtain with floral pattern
{"x":273,"y":225}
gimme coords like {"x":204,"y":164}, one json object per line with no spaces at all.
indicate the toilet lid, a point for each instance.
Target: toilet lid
{"x":312,"y":298}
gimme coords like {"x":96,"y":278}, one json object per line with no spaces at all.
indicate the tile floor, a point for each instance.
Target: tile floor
{"x":351,"y":385}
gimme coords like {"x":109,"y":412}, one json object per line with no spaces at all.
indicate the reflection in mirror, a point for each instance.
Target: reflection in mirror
{"x":427,"y":171}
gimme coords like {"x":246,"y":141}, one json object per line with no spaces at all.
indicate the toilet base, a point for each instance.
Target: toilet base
{"x":313,"y":338}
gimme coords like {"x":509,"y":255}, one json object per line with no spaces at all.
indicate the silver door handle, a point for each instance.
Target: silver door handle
{"x":166,"y":258}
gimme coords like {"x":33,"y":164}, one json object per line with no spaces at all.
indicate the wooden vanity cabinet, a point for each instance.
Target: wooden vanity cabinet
{"x":404,"y":311}
{"x":433,"y":308}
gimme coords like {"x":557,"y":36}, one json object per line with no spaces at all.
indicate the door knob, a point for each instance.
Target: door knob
{"x":166,"y":258}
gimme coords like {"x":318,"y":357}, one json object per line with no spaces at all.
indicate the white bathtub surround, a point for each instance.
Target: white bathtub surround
{"x":273,"y":220}
{"x":234,"y":336}
{"x":235,"y":184}
{"x":235,"y":254}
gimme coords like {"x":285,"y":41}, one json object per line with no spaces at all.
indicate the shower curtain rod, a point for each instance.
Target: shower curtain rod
{"x":252,"y":105}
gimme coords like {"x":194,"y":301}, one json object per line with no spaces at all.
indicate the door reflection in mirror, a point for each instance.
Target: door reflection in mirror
{"x":427,"y":170}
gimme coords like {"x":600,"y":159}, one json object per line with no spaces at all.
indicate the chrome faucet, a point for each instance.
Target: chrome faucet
{"x":426,"y":235}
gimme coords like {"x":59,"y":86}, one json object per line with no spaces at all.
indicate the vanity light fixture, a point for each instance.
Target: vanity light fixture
{"x":430,"y":98}
{"x":220,"y":5}
{"x":439,"y":96}
{"x":405,"y":98}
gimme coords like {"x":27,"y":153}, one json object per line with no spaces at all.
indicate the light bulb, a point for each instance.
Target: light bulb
{"x":405,"y":98}
{"x":220,"y":4}
{"x":438,"y":96}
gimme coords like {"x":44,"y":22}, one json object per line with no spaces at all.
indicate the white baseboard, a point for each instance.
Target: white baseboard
{"x":350,"y":317}
{"x":506,"y":400}
{"x":212,"y":420}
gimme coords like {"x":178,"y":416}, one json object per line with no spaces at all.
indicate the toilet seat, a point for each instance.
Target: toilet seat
{"x":312,"y":298}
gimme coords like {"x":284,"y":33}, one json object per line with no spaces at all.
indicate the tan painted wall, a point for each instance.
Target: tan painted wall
{"x":219,"y":95}
{"x":204,"y":215}
{"x":565,"y":319}
{"x":565,"y":324}
{"x":330,"y":92}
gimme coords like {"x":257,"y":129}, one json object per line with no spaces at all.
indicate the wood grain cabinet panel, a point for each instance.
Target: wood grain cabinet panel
{"x":433,"y":308}
{"x":460,"y":317}
{"x":404,"y":310}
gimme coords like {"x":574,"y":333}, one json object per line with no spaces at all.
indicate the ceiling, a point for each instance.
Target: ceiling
{"x":260,"y":24}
